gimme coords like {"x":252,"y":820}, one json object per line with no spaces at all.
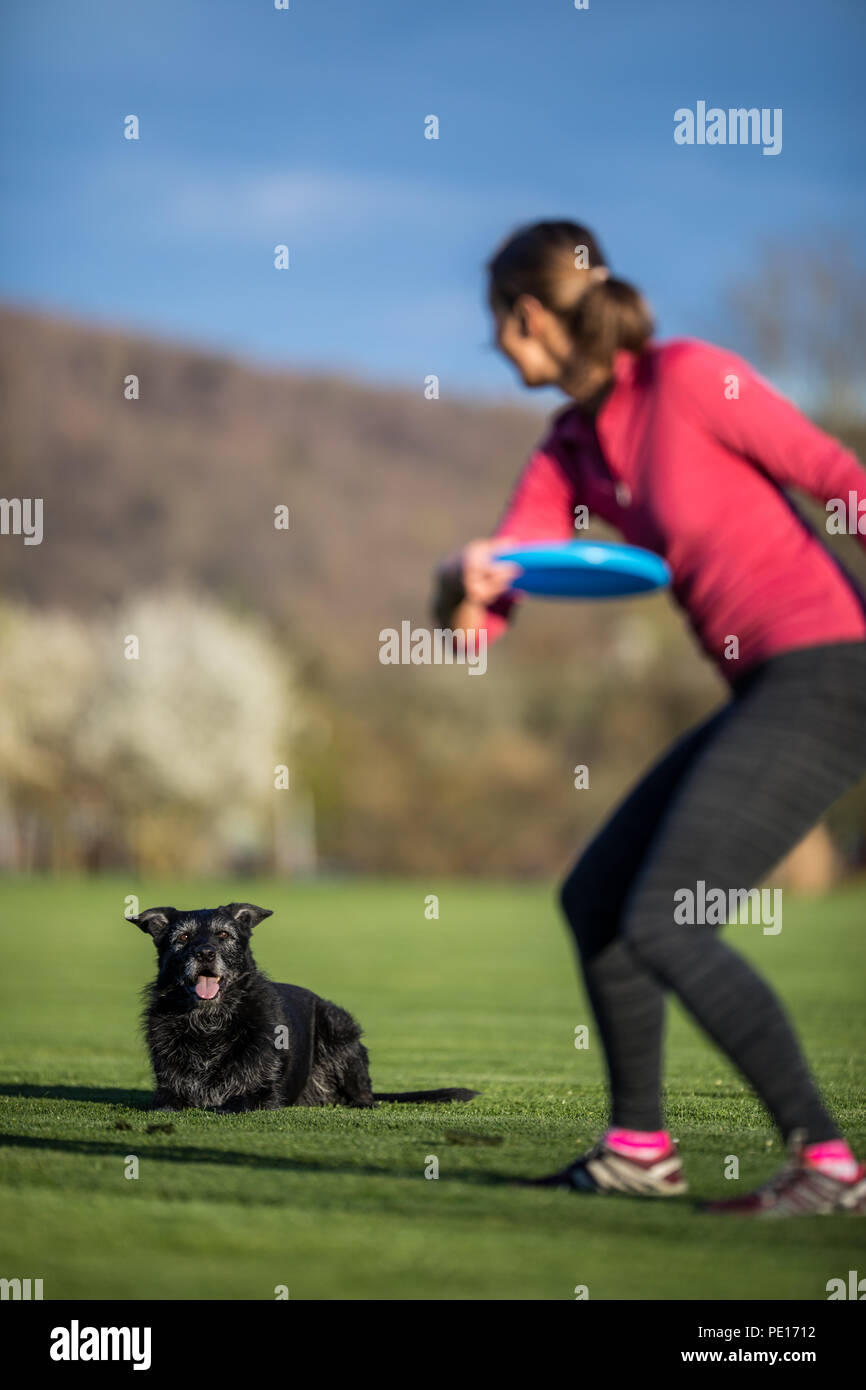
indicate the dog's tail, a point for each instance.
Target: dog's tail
{"x":444,"y":1095}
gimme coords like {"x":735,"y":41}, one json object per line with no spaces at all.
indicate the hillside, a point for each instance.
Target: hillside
{"x":412,"y":768}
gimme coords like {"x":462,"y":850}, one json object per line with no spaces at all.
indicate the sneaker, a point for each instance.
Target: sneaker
{"x":602,"y":1169}
{"x":798,"y":1190}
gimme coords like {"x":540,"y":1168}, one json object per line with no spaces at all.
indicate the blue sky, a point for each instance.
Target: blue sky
{"x":306,"y":127}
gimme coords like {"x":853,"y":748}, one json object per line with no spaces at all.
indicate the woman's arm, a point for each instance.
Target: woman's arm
{"x":473,"y":589}
{"x":767,"y":428}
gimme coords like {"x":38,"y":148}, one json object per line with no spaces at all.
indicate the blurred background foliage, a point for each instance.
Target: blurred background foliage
{"x":259,"y":647}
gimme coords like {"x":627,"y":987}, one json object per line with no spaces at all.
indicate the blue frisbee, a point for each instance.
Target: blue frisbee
{"x":586,"y":569}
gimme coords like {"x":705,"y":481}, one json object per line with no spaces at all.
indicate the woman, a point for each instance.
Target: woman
{"x":685,"y":449}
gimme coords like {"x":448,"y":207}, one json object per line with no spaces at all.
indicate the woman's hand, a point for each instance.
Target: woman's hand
{"x":470,"y":580}
{"x":485,"y":578}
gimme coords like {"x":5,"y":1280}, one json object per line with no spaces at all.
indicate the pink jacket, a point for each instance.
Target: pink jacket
{"x":688,"y":457}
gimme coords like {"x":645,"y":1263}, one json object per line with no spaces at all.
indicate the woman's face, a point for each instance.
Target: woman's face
{"x":535,"y":340}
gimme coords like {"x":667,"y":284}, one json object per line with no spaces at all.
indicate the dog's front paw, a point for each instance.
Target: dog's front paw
{"x":364,"y":1101}
{"x":161,"y":1101}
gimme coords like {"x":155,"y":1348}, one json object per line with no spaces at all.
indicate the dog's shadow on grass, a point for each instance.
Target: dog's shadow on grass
{"x":189,"y":1153}
{"x":101,"y":1095}
{"x":174,"y":1152}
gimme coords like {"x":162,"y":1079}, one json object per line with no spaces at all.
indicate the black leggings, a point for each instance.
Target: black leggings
{"x":722,"y":807}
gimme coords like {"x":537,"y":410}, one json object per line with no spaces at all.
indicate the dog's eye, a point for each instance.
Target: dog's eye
{"x":184,"y":936}
{"x":223,"y":935}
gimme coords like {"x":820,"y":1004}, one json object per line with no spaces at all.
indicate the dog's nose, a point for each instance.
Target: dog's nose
{"x":205,"y":953}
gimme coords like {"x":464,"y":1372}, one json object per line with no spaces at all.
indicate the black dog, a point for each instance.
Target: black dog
{"x":223,"y":1037}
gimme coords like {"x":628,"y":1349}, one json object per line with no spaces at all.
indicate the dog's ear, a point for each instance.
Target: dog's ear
{"x":247,"y":914}
{"x":154,"y":920}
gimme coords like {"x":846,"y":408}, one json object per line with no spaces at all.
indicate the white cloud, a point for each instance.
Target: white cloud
{"x":308,"y":202}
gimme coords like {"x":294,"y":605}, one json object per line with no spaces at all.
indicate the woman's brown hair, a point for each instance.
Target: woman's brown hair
{"x":561,"y":265}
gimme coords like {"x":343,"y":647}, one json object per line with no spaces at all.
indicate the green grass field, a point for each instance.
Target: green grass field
{"x":334,"y":1204}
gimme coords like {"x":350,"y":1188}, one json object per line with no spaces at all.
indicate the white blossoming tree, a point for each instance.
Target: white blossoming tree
{"x":163,"y":723}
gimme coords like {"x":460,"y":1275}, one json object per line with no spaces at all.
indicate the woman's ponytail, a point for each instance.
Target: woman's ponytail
{"x":609,"y":316}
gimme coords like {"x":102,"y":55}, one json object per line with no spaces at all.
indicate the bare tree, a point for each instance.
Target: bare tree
{"x":803,"y":313}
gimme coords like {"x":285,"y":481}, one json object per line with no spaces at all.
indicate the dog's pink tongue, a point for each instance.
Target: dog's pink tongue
{"x":206,"y":987}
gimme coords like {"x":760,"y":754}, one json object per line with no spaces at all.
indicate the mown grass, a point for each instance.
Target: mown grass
{"x":334,"y":1204}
